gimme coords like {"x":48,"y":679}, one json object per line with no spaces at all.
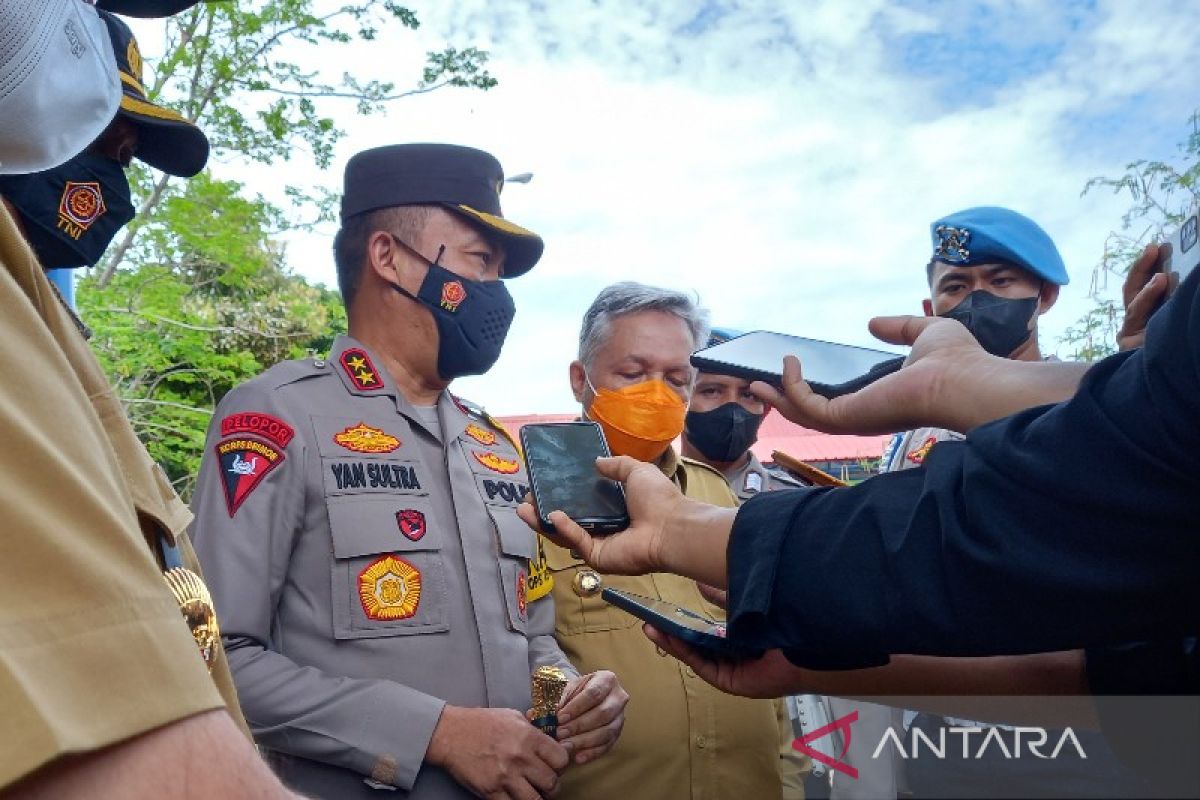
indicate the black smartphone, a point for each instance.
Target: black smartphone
{"x":561,"y":460}
{"x":830,"y":369}
{"x":707,"y":635}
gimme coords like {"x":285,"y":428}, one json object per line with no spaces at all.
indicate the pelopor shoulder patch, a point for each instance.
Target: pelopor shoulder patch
{"x":244,"y":463}
{"x":260,"y":424}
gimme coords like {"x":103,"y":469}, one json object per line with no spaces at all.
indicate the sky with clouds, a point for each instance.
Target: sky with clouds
{"x":782,"y":160}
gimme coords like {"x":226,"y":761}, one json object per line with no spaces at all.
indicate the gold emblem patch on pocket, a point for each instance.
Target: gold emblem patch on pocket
{"x":389,"y":589}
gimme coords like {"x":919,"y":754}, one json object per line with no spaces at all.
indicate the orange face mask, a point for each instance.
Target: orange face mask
{"x":639,"y":421}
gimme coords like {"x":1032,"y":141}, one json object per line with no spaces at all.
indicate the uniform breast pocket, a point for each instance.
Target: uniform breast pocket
{"x":518,"y":544}
{"x":389,"y":576}
{"x":578,"y":604}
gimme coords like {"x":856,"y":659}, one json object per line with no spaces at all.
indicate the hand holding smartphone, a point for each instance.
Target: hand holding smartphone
{"x":561,"y":458}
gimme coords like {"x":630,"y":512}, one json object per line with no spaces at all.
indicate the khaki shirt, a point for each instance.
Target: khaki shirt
{"x":369,"y":567}
{"x":93,"y":647}
{"x":683,"y":739}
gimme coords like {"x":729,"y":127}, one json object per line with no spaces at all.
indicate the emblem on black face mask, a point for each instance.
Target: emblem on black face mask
{"x":453,"y":294}
{"x":82,"y":204}
{"x":953,"y":245}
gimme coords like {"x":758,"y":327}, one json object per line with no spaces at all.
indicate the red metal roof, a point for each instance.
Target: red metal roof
{"x":776,"y":433}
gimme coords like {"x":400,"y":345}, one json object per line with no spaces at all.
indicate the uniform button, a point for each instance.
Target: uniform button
{"x":701,"y":742}
{"x":691,"y":673}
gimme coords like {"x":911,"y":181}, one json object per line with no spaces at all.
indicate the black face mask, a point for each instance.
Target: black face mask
{"x":999,"y":324}
{"x":472,"y":319}
{"x":724,"y":433}
{"x":72,"y":212}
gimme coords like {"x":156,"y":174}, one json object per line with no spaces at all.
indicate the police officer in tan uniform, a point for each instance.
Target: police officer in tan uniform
{"x":113,"y":680}
{"x":382,"y":604}
{"x":683,"y":740}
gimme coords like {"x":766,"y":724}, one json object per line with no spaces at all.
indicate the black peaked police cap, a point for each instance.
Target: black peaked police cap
{"x":463,"y":180}
{"x":166,"y":140}
{"x":146,"y":9}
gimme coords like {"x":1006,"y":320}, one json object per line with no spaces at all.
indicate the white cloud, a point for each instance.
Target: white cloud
{"x":782,"y":160}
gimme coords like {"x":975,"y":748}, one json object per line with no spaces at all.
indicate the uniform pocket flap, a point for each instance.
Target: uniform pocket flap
{"x":363,"y":526}
{"x":516,"y":538}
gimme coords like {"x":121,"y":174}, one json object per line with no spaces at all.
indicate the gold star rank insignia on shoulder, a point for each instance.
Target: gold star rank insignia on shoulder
{"x":358,"y":367}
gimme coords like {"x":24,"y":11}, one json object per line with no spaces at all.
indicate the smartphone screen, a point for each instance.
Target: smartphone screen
{"x":561,"y":460}
{"x":831,"y":369}
{"x":1178,"y":256}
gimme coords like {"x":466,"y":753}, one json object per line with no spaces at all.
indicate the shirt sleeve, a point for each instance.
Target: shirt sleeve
{"x":1061,"y":527}
{"x":93,"y":649}
{"x":244,"y":532}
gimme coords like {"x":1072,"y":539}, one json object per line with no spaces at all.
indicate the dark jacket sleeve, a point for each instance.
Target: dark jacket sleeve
{"x":1063,"y":526}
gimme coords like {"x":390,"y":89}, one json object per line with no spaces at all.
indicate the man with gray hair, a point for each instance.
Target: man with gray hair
{"x":682,"y":739}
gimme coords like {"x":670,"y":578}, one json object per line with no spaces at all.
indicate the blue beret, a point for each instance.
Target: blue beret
{"x":990,"y":234}
{"x":721,"y":335}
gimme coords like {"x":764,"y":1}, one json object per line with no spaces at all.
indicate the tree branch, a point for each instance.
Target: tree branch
{"x":118,"y":255}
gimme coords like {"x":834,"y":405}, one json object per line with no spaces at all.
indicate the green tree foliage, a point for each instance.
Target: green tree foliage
{"x":1161,"y":194}
{"x":195,"y":296}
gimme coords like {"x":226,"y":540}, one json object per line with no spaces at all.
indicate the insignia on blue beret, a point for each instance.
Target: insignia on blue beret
{"x":991,"y":234}
{"x":721,"y":335}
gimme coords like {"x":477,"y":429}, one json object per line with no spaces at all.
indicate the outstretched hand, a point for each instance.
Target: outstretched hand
{"x":770,"y":676}
{"x":652,"y":500}
{"x":1143,"y":292}
{"x":920,"y":393}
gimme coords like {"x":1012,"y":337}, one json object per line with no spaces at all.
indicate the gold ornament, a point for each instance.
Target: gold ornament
{"x":196,"y":605}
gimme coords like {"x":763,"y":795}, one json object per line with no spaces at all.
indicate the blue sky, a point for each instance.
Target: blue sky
{"x":781,"y":160}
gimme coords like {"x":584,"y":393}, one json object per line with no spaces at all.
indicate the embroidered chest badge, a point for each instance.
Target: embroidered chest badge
{"x":480,"y":434}
{"x":389,"y":588}
{"x":360,"y":370}
{"x":497,"y":463}
{"x":411,"y":523}
{"x":918,"y":456}
{"x":522,"y":601}
{"x":362,"y":438}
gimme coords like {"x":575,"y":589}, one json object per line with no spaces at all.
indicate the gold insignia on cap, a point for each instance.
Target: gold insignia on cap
{"x":197,"y":607}
{"x":134,"y":57}
{"x":587,"y":583}
{"x":953,"y":243}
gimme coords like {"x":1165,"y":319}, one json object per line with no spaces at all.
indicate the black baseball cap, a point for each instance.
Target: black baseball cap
{"x":166,"y":140}
{"x":463,"y":180}
{"x":146,"y":9}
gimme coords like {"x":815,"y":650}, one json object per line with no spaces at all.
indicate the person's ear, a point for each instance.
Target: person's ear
{"x":927,"y":304}
{"x":384,"y":257}
{"x":578,"y":381}
{"x":1047,"y":297}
